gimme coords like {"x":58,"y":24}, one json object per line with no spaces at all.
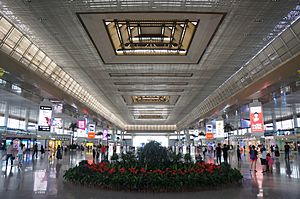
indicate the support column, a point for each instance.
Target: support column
{"x":295,"y":116}
{"x":187,"y":136}
{"x":274,"y":120}
{"x":26,"y":118}
{"x":6,"y":114}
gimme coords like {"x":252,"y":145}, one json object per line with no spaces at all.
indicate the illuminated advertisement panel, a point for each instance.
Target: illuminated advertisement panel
{"x":81,"y":124}
{"x":58,"y":108}
{"x":57,"y":123}
{"x":92,"y":128}
{"x":256,"y":119}
{"x":209,"y":134}
{"x":220,"y":128}
{"x":45,"y":115}
{"x":91,"y":135}
{"x":105,"y":133}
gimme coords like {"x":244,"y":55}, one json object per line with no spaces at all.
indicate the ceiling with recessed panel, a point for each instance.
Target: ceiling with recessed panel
{"x":149,"y":62}
{"x":151,"y":37}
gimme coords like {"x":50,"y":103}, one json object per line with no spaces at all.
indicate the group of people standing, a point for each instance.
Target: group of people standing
{"x":266,"y":158}
{"x":219,"y":151}
{"x":97,"y":150}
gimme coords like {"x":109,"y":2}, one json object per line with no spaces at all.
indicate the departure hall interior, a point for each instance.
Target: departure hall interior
{"x":150,"y":99}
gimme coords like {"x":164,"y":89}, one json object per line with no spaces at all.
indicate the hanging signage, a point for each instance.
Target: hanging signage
{"x":45,"y":115}
{"x":57,"y":123}
{"x":256,"y":119}
{"x":91,"y":134}
{"x":209,"y":128}
{"x":220,"y":128}
{"x":92,"y":127}
{"x":81,"y":124}
{"x":104,"y":135}
{"x":80,"y":133}
{"x":58,"y":108}
{"x":209,"y":136}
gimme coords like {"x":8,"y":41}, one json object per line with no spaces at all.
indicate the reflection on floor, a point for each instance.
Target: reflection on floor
{"x":42,"y":178}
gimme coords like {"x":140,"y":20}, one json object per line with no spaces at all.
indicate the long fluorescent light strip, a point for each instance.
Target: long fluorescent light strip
{"x":151,"y":74}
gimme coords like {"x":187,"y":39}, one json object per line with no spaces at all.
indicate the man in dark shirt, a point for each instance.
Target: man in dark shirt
{"x":287,"y":151}
{"x":225,"y":153}
{"x":238,"y":153}
{"x":219,"y":153}
{"x":35,"y":151}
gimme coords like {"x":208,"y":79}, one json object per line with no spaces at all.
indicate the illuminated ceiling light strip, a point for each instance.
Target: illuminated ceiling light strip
{"x":11,"y":42}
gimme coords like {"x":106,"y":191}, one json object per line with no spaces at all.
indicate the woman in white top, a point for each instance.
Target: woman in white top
{"x":20,"y":155}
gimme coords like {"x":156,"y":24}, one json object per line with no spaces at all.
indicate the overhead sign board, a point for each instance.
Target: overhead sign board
{"x":45,"y":114}
{"x":81,"y":124}
{"x":219,"y":128}
{"x":92,"y":127}
{"x":57,"y":123}
{"x":256,"y":119}
{"x":209,"y":135}
{"x":91,"y":135}
{"x":209,"y":128}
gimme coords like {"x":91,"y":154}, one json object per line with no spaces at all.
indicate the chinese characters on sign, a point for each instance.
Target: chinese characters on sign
{"x":256,"y":119}
{"x":45,"y":115}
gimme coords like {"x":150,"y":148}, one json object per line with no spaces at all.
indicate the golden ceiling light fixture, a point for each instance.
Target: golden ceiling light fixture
{"x":153,"y":117}
{"x":151,"y":37}
{"x":150,"y":99}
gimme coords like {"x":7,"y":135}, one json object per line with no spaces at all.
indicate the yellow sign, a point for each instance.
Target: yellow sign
{"x":2,"y":72}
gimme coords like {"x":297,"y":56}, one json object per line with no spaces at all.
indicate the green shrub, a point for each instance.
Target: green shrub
{"x":153,"y":155}
{"x":187,"y":158}
{"x":114,"y":157}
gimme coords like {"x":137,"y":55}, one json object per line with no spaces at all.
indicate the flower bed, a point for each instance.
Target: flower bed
{"x":178,"y":177}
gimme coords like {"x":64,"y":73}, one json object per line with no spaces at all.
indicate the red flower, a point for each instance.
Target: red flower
{"x":143,"y":170}
{"x":111,"y":171}
{"x":122,"y":170}
{"x":133,"y":170}
{"x":102,"y":164}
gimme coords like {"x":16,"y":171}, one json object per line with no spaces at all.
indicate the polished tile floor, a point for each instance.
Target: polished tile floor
{"x":42,"y":178}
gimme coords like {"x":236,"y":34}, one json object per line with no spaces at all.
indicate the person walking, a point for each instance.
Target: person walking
{"x":270,"y":162}
{"x":225,"y":153}
{"x":244,"y":150}
{"x":42,"y":151}
{"x":204,"y":150}
{"x":287,"y":151}
{"x":272,"y":151}
{"x":253,"y":157}
{"x":35,"y":151}
{"x":97,"y":153}
{"x":59,"y":153}
{"x":94,"y":153}
{"x":219,"y":153}
{"x":263,"y":159}
{"x":10,"y":154}
{"x":20,"y":155}
{"x":103,"y":150}
{"x":238,"y":153}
